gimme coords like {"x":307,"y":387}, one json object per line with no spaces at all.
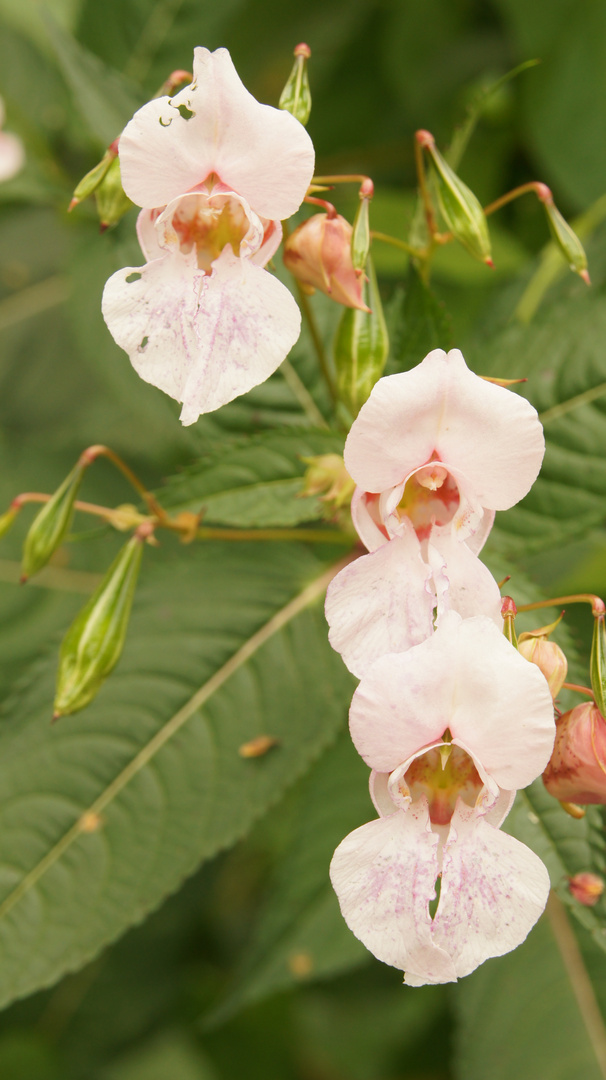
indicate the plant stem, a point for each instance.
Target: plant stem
{"x":302,"y":394}
{"x":349,"y":178}
{"x":93,"y":452}
{"x":579,"y":689}
{"x":317,"y":341}
{"x":523,"y":189}
{"x":597,"y":605}
{"x":385,"y":239}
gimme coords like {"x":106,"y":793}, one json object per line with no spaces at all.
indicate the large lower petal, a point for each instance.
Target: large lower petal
{"x":215,"y":126}
{"x":202,"y":339}
{"x":493,"y":890}
{"x":384,"y":875}
{"x":381,"y":603}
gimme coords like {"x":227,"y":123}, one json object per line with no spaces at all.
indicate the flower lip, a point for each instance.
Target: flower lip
{"x":442,"y":773}
{"x":205,"y":221}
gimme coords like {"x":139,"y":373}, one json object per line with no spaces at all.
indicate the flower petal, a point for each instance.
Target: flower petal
{"x":493,"y":890}
{"x":262,"y":153}
{"x":384,"y":876}
{"x":380,"y":604}
{"x":442,"y":408}
{"x":203,"y":340}
{"x":463,"y":583}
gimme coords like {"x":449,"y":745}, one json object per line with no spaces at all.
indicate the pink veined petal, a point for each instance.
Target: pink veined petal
{"x":493,"y":890}
{"x":148,"y":235}
{"x":463,"y":583}
{"x":365,"y":514}
{"x":150,"y":311}
{"x":12,"y":155}
{"x":380,"y":604}
{"x":261,"y":152}
{"x":442,"y":408}
{"x":384,"y":876}
{"x":272,"y":238}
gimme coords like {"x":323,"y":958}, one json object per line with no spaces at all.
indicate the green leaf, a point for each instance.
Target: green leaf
{"x":421,"y":325}
{"x":102,"y":815}
{"x":300,"y":933}
{"x":518,"y":1017}
{"x":105,"y":99}
{"x":170,"y":1054}
{"x":253,"y":482}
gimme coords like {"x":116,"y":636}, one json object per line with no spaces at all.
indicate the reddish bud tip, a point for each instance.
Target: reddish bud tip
{"x":508,"y":607}
{"x":367,"y":188}
{"x":56,"y":716}
{"x":23,"y":579}
{"x":424,"y":138}
{"x":303,"y":50}
{"x":113,"y":147}
{"x":543,"y":193}
{"x":598,"y":607}
{"x":103,"y":227}
{"x":585,"y":275}
{"x":73,"y":204}
{"x":489,"y":262}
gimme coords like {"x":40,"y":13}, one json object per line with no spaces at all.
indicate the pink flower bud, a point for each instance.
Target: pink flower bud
{"x":586,"y":888}
{"x":577,"y":770}
{"x":319,"y":254}
{"x":549,"y":658}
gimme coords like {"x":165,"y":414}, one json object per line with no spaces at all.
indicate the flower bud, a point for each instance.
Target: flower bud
{"x":361,"y":348}
{"x":459,"y":206}
{"x":548,"y":657}
{"x":577,"y":770}
{"x":318,"y":253}
{"x":89,"y":183}
{"x":597,"y":663}
{"x":50,"y":525}
{"x":565,"y":237}
{"x":93,"y":644}
{"x":327,"y":477}
{"x":112,"y":203}
{"x":360,"y":240}
{"x":586,"y":888}
{"x":296,"y":96}
{"x":509,"y":612}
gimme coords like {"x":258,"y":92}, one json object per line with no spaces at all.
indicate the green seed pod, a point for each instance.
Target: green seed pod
{"x":567,"y":240}
{"x":360,"y":238}
{"x":361,"y":348}
{"x":94,"y":642}
{"x":509,"y":612}
{"x":51,"y":524}
{"x":112,"y":203}
{"x":460,"y":208}
{"x":296,"y":95}
{"x":91,"y":181}
{"x":597,"y":663}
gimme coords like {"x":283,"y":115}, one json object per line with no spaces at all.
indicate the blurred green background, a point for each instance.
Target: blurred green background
{"x":166,"y":1002}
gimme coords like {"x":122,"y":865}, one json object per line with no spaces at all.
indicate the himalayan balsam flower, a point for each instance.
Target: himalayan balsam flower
{"x":450,"y":729}
{"x":577,"y":770}
{"x":434,"y":452}
{"x":215,"y":172}
{"x":12,"y":154}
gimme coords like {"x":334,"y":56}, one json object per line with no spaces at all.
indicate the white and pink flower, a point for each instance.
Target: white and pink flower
{"x":450,"y":729}
{"x":434,"y":452}
{"x":215,"y":172}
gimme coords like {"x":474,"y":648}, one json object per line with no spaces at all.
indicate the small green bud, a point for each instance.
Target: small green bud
{"x":361,"y":348}
{"x":509,"y":612}
{"x":459,"y":206}
{"x":360,"y":239}
{"x":565,"y":237}
{"x":597,"y":663}
{"x":51,"y":524}
{"x":112,"y":203}
{"x":94,"y":642}
{"x":296,"y":96}
{"x":89,"y":183}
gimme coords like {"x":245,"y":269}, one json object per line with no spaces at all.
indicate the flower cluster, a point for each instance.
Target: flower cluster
{"x":448,"y":715}
{"x":215,"y":172}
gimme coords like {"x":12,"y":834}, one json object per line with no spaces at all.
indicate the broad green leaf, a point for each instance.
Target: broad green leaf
{"x":103,"y":814}
{"x":518,"y":1018}
{"x":300,"y":933}
{"x":423,"y":324}
{"x":172,"y":1054}
{"x":253,"y":482}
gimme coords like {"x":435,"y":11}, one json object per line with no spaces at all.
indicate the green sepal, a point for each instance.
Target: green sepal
{"x":361,"y":348}
{"x":597,"y":663}
{"x":51,"y":524}
{"x":460,"y":209}
{"x":89,"y":183}
{"x":296,"y":95}
{"x":94,"y":642}
{"x":360,"y":237}
{"x":112,"y":203}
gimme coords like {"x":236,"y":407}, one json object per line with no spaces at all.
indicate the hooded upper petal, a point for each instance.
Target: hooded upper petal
{"x":384,"y":875}
{"x":202,"y":339}
{"x":441,"y":408}
{"x":215,"y":126}
{"x":493,"y":890}
{"x":469,"y":679}
{"x":381,"y":603}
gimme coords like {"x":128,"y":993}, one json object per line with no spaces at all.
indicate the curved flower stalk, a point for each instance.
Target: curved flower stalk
{"x":12,"y":153}
{"x":434,"y":452}
{"x":450,"y":729}
{"x":215,"y":172}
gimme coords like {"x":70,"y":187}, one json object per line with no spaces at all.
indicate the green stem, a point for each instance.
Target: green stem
{"x":523,"y":189}
{"x":597,"y":605}
{"x":302,"y":394}
{"x":93,"y":452}
{"x":408,"y":248}
{"x":318,"y":344}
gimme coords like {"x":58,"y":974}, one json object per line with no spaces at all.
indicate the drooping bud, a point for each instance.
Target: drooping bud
{"x":318,"y":253}
{"x":296,"y":95}
{"x":564,"y":236}
{"x":459,"y":206}
{"x":360,"y":240}
{"x":548,"y":657}
{"x":327,"y":477}
{"x":509,"y":612}
{"x":361,"y":348}
{"x":50,"y":525}
{"x":597,"y":663}
{"x":577,"y":770}
{"x":112,"y":203}
{"x":586,"y":888}
{"x":94,"y":642}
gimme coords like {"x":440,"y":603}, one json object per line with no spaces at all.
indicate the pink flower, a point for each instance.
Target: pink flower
{"x":577,"y":770}
{"x":434,"y":452}
{"x":215,"y":172}
{"x":12,"y":154}
{"x":450,"y":729}
{"x":318,"y":253}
